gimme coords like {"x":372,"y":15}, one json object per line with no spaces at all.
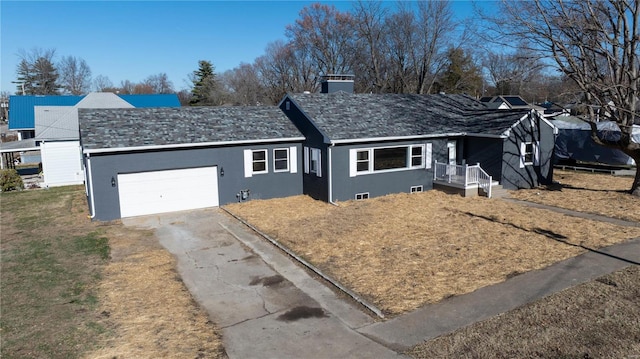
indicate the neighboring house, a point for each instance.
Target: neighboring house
{"x":574,"y":143}
{"x":52,"y":121}
{"x":508,"y":102}
{"x":58,"y":135}
{"x":144,"y":161}
{"x":22,"y":115}
{"x":365,"y":145}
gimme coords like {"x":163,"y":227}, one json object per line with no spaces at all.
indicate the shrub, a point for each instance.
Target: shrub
{"x":10,"y":180}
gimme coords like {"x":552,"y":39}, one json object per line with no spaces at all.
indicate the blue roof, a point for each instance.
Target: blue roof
{"x":142,"y":101}
{"x":22,"y":114}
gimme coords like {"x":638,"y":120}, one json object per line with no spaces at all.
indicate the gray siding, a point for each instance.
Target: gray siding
{"x":379,"y":184}
{"x":262,"y":186}
{"x":487,"y":152}
{"x":514,"y":177}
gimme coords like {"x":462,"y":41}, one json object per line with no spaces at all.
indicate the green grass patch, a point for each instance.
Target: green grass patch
{"x":52,"y":259}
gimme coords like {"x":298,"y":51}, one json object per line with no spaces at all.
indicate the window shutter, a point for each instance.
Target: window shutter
{"x":536,"y":153}
{"x":428,"y":154}
{"x":353,"y":162}
{"x":293,"y":159}
{"x":306,"y":160}
{"x":523,"y":149}
{"x":248,"y":163}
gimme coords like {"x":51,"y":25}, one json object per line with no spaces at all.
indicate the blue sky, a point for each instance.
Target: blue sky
{"x":131,"y":40}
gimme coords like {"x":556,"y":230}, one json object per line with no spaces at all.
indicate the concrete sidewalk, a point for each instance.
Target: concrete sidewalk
{"x":269,"y":307}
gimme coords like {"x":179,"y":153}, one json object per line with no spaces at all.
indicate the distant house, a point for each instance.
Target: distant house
{"x":364,"y":145}
{"x":22,"y":115}
{"x":508,"y":102}
{"x":144,"y":161}
{"x":56,"y":128}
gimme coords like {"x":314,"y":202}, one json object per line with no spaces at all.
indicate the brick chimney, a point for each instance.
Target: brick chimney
{"x":334,"y":83}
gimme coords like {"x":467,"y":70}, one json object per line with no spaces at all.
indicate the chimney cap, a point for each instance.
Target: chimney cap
{"x":337,"y":77}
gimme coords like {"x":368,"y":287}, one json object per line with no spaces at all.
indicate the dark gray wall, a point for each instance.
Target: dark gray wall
{"x":262,"y":186}
{"x":380,"y":184}
{"x":514,"y":177}
{"x":487,"y":152}
{"x":314,"y":186}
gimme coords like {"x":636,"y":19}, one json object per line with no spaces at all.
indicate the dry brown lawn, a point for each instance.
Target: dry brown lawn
{"x":588,"y":192}
{"x":405,"y":250}
{"x":149,"y":311}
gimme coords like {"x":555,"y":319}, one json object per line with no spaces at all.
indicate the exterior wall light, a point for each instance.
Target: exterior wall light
{"x":221,"y":171}
{"x":113,"y":182}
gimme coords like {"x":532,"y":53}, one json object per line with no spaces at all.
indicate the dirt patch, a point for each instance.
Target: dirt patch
{"x":598,"y":319}
{"x":267,"y":281}
{"x":406,"y":250}
{"x":596,"y":193}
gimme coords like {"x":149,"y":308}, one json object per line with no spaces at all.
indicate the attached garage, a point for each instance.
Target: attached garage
{"x":167,"y":191}
{"x":158,"y":160}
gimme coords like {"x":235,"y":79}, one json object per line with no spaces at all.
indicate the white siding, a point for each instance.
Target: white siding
{"x":61,"y":163}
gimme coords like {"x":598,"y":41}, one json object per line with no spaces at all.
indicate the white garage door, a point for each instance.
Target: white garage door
{"x":167,"y":191}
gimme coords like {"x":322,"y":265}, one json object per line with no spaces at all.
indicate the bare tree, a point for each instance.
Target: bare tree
{"x":595,"y":44}
{"x":159,"y":84}
{"x":326,"y":36}
{"x":75,"y":75}
{"x":244,"y":86}
{"x":102,"y":83}
{"x":370,"y":61}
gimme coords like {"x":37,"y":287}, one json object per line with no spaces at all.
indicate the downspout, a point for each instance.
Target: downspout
{"x":330,"y":174}
{"x":90,"y":178}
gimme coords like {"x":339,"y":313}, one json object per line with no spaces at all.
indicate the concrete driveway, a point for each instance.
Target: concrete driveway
{"x":266,"y":306}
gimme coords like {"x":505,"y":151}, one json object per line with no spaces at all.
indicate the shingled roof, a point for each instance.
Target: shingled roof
{"x":140,"y":128}
{"x":342,"y":116}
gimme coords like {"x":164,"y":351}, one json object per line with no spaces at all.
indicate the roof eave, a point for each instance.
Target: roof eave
{"x":395,"y":138}
{"x":189,"y":145}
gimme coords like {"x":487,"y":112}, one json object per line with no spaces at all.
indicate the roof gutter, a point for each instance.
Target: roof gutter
{"x":189,"y":145}
{"x":394,"y":138}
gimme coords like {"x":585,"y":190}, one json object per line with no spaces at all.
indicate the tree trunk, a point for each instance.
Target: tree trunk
{"x":635,"y":188}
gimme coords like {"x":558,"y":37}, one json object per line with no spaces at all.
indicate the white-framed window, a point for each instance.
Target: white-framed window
{"x":313,"y":161}
{"x":390,"y":158}
{"x":529,"y":154}
{"x":416,"y":189}
{"x":361,"y":196}
{"x":257,"y":161}
{"x":281,"y":160}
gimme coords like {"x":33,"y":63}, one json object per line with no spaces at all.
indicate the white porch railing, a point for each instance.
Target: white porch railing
{"x":464,"y":175}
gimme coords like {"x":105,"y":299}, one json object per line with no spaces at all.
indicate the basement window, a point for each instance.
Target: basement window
{"x":361,"y":196}
{"x":416,"y":189}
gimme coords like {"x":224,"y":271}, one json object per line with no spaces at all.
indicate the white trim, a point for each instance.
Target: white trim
{"x":266,"y":161}
{"x":428,"y":155}
{"x":90,"y":177}
{"x":353,"y":159}
{"x":306,"y":159}
{"x":189,"y":145}
{"x":398,"y":138}
{"x":316,"y":155}
{"x":248,"y":163}
{"x":275,"y":160}
{"x":293,"y":159}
